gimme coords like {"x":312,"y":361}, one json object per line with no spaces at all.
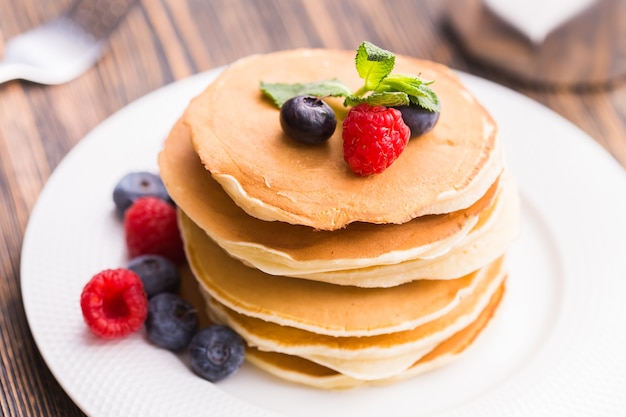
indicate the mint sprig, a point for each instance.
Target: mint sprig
{"x":374,"y":65}
{"x":417,"y":90}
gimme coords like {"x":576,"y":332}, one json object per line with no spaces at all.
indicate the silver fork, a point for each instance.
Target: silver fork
{"x":62,"y":49}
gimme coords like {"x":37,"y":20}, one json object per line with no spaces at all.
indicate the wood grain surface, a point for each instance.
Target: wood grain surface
{"x":162,"y":41}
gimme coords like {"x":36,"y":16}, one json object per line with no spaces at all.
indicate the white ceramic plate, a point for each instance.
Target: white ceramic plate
{"x":557,"y":347}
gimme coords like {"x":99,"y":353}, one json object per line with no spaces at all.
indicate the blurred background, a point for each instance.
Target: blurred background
{"x":571,"y":58}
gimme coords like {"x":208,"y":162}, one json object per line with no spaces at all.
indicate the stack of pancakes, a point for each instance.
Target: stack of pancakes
{"x":336,"y":280}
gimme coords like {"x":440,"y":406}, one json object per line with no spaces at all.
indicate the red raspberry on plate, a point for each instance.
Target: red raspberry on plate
{"x":373,"y":138}
{"x":114,"y":303}
{"x":151,"y":227}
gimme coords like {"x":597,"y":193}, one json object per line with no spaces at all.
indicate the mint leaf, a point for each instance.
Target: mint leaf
{"x":373,"y":64}
{"x":280,"y":92}
{"x":417,"y":89}
{"x":410,"y":84}
{"x":387,"y":99}
{"x":427,"y":100}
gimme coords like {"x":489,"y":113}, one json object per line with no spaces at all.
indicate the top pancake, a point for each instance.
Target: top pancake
{"x":283,"y":249}
{"x":237,"y":134}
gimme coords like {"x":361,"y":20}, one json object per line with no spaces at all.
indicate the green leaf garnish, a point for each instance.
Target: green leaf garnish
{"x":417,"y":89}
{"x":280,"y":92}
{"x":373,"y":64}
{"x":381,"y":88}
{"x":388,"y":99}
{"x":428,"y":100}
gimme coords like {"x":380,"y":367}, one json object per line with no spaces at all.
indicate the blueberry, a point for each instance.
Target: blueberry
{"x":171,"y":321}
{"x":157,"y":273}
{"x":418,"y":119}
{"x":216,"y":352}
{"x":307,"y":119}
{"x":138,"y":184}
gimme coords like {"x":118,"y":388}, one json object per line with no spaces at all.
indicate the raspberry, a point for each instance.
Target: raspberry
{"x":151,"y":227}
{"x":373,"y":138}
{"x":114,"y":303}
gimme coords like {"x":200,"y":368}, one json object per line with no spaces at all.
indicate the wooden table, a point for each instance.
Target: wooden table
{"x":162,"y":41}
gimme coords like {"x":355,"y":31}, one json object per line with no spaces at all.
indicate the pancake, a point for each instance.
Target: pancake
{"x":489,"y":239}
{"x":237,"y":135}
{"x":302,"y":371}
{"x":374,"y":357}
{"x":284,"y":249}
{"x":347,"y":310}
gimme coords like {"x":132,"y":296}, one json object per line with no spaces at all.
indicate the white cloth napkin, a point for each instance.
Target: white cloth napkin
{"x":537,"y":18}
